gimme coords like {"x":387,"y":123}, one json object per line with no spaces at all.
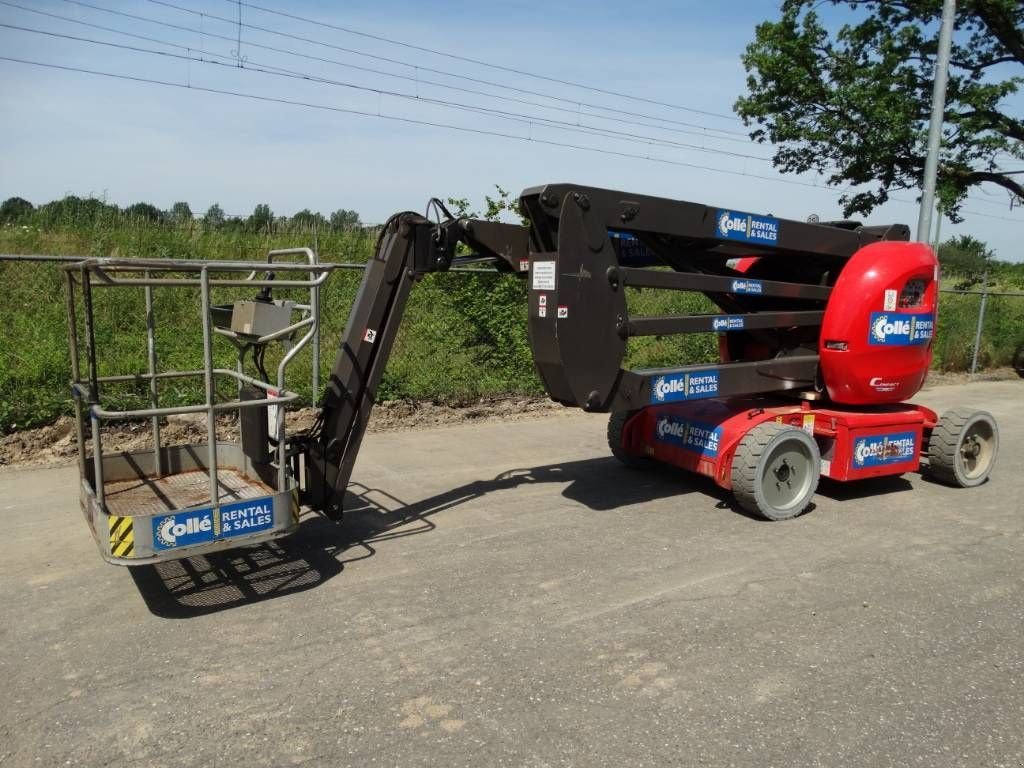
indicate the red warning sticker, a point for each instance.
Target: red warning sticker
{"x":563,"y":311}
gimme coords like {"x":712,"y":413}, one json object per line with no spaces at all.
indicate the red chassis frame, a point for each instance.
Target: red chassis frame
{"x":702,"y":436}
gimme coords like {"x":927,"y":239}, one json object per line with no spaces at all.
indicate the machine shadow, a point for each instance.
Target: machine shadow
{"x":862,"y":489}
{"x":320,"y":549}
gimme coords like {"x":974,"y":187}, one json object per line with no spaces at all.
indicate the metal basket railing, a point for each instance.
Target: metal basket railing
{"x":82,"y":277}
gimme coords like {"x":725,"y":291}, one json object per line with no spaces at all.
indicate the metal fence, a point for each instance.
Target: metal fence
{"x":440,"y":355}
{"x":1002,"y":330}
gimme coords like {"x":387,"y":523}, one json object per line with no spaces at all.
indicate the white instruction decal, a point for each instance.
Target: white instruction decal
{"x":542,"y":311}
{"x":370,"y":335}
{"x":543,"y":275}
{"x":563,"y":311}
{"x":524,"y":265}
{"x":542,"y":300}
{"x":890,"y":300}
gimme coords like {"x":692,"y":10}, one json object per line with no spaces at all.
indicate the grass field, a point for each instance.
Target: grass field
{"x":463,"y":336}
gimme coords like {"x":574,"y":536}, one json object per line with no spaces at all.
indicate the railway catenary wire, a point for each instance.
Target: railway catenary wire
{"x":703,"y":132}
{"x":434,"y":124}
{"x":263,"y":68}
{"x":470,"y":60}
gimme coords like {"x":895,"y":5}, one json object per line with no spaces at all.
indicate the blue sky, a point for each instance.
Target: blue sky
{"x":65,"y":132}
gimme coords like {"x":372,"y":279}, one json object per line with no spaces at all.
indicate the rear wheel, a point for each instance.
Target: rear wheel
{"x":616,"y":426}
{"x":963,"y":447}
{"x":775,"y":471}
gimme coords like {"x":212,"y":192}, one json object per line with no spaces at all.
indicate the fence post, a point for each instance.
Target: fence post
{"x":981,"y":321}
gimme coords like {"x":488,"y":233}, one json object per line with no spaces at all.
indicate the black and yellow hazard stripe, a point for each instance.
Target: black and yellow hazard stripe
{"x":122,"y":536}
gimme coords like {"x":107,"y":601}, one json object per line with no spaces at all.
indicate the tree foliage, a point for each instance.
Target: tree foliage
{"x":14,"y":209}
{"x":262,"y":218}
{"x":854,"y":104}
{"x":144,"y":212}
{"x":214,"y":217}
{"x":181,"y":213}
{"x":345,"y":219}
{"x":967,"y":257}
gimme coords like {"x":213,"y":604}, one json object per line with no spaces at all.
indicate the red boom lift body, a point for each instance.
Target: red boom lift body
{"x":875,"y":349}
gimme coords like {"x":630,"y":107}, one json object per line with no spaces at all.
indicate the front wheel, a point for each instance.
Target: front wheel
{"x":775,"y":471}
{"x":616,"y":428}
{"x":963,"y":447}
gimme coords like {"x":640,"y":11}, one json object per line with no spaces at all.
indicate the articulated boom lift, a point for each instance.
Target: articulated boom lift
{"x":824,"y":331}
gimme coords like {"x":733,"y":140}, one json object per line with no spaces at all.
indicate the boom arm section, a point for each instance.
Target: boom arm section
{"x":409,"y":247}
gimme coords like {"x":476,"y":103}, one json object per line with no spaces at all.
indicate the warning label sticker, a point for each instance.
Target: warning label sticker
{"x":543,"y":275}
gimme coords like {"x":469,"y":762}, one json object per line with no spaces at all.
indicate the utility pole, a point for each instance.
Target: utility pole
{"x":931,"y":166}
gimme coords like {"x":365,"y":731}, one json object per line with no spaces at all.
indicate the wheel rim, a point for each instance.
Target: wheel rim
{"x":977,"y":447}
{"x":787,"y":474}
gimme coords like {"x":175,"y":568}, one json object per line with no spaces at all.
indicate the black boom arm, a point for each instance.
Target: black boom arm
{"x":409,"y":247}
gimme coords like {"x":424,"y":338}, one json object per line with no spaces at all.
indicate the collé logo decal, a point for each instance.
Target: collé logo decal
{"x":691,"y":435}
{"x":884,"y":449}
{"x":684,"y":386}
{"x":185,"y":529}
{"x":753,"y":287}
{"x":747,"y":227}
{"x":890,"y":329}
{"x":730,"y":323}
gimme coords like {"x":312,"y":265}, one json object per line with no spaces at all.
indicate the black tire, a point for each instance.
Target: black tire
{"x":775,"y":471}
{"x":1018,"y":361}
{"x":963,"y":447}
{"x":616,"y":424}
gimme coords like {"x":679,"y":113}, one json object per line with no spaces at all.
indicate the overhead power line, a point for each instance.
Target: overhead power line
{"x":479,"y":62}
{"x":447,"y":126}
{"x":398,"y":118}
{"x":686,"y":128}
{"x":702,"y":132}
{"x":257,"y":67}
{"x":390,"y":60}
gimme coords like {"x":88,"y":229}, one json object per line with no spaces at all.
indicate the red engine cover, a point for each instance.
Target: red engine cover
{"x":876,"y":336}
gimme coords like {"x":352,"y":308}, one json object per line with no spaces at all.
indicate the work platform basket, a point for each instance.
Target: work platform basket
{"x":170,"y":501}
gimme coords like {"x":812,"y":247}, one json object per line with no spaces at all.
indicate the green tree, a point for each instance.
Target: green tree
{"x":345,"y":219}
{"x":15,"y":209}
{"x":181,"y":213}
{"x":74,"y":211}
{"x":144,"y":212}
{"x":965,"y":257}
{"x":854,"y":103}
{"x":307,"y":219}
{"x":214,"y":217}
{"x":262,"y":218}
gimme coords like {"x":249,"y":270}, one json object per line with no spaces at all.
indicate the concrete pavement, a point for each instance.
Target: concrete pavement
{"x":507,"y":594}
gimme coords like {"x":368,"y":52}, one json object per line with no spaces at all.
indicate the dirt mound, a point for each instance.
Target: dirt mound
{"x":56,"y":444}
